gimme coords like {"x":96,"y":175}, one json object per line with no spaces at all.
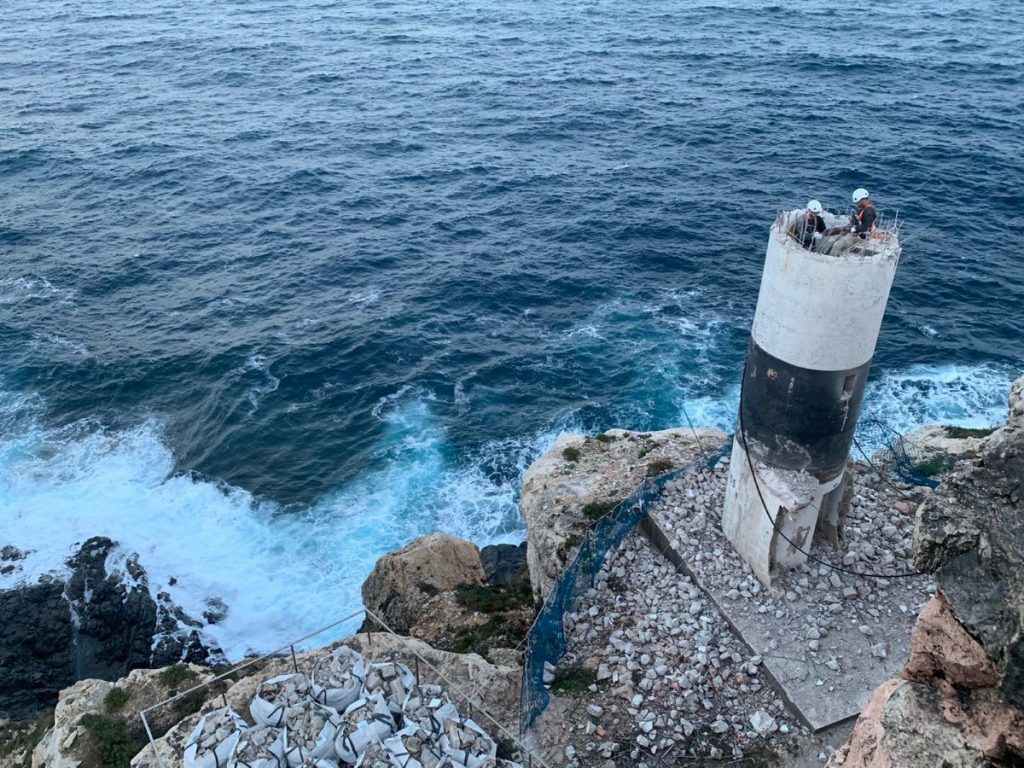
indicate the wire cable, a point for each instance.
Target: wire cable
{"x":695,"y":437}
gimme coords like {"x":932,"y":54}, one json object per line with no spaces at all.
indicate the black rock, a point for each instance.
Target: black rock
{"x":36,"y":649}
{"x":96,"y":624}
{"x":504,"y":563}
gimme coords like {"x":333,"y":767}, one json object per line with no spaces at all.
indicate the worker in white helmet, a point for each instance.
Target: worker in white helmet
{"x":809,"y":226}
{"x":862,"y":223}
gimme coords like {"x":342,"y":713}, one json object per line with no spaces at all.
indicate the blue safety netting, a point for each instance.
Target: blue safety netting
{"x":546,"y":642}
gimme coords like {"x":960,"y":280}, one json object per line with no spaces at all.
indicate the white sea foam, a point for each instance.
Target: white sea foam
{"x":282,"y":572}
{"x":901,"y":400}
{"x":285,"y":571}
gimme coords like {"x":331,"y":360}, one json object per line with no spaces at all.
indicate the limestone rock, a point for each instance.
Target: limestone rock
{"x":942,"y":650}
{"x":402,"y":582}
{"x":67,"y":744}
{"x":1016,"y":417}
{"x":906,"y":724}
{"x":579,"y":471}
{"x":970,"y":533}
{"x":504,"y":563}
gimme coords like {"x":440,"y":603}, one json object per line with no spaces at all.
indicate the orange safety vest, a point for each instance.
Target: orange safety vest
{"x":860,"y":215}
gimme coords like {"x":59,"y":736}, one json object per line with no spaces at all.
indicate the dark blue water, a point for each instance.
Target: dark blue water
{"x":286,"y":284}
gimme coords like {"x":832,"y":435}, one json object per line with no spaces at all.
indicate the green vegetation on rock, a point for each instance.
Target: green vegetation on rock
{"x":603,"y":438}
{"x":21,"y":738}
{"x":115,"y":745}
{"x":595,"y":510}
{"x":659,"y":467}
{"x":494,"y":598}
{"x":115,"y":699}
{"x":573,"y":680}
{"x":963,"y":432}
{"x":933,"y":466}
{"x":571,"y":454}
{"x":176,"y":674}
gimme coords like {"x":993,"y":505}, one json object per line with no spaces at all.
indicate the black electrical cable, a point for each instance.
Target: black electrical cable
{"x":775,"y":526}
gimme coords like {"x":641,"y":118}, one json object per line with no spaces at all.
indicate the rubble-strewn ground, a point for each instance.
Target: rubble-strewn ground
{"x":829,"y":635}
{"x":654,"y":671}
{"x":669,"y":673}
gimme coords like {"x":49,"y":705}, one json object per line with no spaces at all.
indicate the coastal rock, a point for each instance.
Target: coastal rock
{"x":1016,"y":402}
{"x":942,"y":650}
{"x":962,"y":702}
{"x":582,"y":478}
{"x":970,"y":534}
{"x":504,"y":563}
{"x":402,"y":582}
{"x":100,"y":622}
{"x":36,"y":648}
{"x":115,"y":614}
{"x":114,"y":708}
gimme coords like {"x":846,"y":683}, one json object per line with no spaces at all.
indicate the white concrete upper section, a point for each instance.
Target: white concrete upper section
{"x":823,"y":312}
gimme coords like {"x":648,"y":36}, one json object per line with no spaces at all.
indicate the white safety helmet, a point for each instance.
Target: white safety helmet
{"x":814,"y":206}
{"x":859,"y":194}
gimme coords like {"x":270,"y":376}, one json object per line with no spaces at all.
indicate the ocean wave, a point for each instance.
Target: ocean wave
{"x":281,"y":570}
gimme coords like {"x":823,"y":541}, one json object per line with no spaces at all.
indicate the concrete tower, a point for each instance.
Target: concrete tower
{"x":814,"y":334}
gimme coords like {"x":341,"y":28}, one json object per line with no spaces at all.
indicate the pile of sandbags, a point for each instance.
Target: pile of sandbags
{"x":346,"y":713}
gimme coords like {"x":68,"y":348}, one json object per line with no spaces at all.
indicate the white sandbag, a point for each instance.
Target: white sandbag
{"x":466,"y":743}
{"x":337,"y":679}
{"x":213,"y":739}
{"x":309,"y":733}
{"x":275,"y":695}
{"x":427,"y":706}
{"x":322,"y":763}
{"x":375,"y":755}
{"x":261,"y":746}
{"x":413,"y":747}
{"x":390,"y":679}
{"x":365,"y":721}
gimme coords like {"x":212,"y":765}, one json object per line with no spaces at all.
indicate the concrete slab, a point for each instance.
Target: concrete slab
{"x":826,"y":638}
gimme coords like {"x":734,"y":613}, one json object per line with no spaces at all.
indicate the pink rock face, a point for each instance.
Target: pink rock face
{"x":865,"y":748}
{"x":942,"y":651}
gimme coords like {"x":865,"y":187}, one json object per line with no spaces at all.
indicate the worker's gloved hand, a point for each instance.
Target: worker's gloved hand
{"x":816,"y":236}
{"x":853,"y":230}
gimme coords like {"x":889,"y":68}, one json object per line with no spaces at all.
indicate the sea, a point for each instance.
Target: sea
{"x":287,"y":284}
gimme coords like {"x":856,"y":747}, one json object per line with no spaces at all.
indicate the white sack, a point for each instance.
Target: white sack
{"x":261,"y":746}
{"x":337,"y":679}
{"x":390,"y":679}
{"x":427,"y":706}
{"x":412,"y":747}
{"x":466,"y":743}
{"x":275,"y":695}
{"x":365,"y":721}
{"x":213,"y":739}
{"x":309,"y":733}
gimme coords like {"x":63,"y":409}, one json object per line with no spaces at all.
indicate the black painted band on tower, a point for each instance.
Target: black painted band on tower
{"x":797,"y":418}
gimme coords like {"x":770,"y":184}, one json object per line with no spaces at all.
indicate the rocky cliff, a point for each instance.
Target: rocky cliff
{"x":960,"y":700}
{"x":99,"y":620}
